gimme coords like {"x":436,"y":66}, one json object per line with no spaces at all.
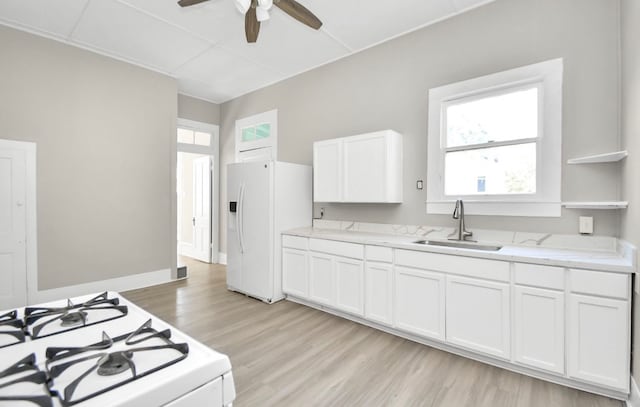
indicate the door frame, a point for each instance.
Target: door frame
{"x":214,"y":151}
{"x":31,"y":227}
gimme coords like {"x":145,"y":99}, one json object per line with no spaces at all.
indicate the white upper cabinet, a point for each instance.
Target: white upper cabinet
{"x":363,"y":168}
{"x":327,"y":171}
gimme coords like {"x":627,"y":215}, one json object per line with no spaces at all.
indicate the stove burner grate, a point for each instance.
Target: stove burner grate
{"x":60,"y":360}
{"x":21,"y":372}
{"x":40,"y":321}
{"x":11,"y":329}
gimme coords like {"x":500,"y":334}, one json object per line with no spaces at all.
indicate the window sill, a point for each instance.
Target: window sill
{"x":498,"y":208}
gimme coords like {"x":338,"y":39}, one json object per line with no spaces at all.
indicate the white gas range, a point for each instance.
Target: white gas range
{"x":102,"y":350}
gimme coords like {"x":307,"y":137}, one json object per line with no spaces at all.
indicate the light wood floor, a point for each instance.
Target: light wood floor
{"x":290,"y":355}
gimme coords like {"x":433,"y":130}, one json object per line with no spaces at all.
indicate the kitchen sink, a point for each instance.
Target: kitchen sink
{"x":460,"y":244}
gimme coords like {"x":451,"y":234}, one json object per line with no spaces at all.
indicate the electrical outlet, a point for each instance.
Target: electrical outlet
{"x":586,"y":225}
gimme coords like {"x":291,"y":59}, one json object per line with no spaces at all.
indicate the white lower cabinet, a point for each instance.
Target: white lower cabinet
{"x":295,"y":272}
{"x":350,"y":285}
{"x":337,"y":282}
{"x":599,"y":340}
{"x":321,"y":278}
{"x":478,"y":315}
{"x":572,"y":324}
{"x":539,"y":328}
{"x":379,"y":292}
{"x":420,"y":302}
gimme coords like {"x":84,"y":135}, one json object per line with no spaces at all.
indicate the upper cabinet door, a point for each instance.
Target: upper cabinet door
{"x":327,"y":171}
{"x":363,"y":168}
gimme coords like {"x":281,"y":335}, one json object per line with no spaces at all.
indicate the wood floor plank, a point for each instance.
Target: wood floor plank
{"x":287,"y":354}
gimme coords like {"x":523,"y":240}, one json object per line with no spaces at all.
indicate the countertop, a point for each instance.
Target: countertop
{"x":621,"y":261}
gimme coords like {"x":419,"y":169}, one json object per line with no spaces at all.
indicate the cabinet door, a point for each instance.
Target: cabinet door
{"x":539,"y":328}
{"x":295,"y":272}
{"x":327,"y":171}
{"x":379,"y":292}
{"x":365,"y":168}
{"x":419,"y":302}
{"x":478,"y":315}
{"x":350,"y":285}
{"x":599,"y":340}
{"x":321,"y":281}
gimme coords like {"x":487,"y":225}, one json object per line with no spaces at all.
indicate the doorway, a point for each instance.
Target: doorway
{"x":197,"y":182}
{"x":18,"y":233}
{"x":194,"y":206}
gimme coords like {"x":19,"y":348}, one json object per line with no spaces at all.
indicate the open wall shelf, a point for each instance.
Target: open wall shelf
{"x":596,"y":205}
{"x":600,"y":158}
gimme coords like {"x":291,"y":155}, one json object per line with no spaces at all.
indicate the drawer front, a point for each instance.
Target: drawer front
{"x":540,"y":276}
{"x":295,"y":242}
{"x":378,"y":253}
{"x":600,"y":283}
{"x":467,"y":266}
{"x":352,"y":250}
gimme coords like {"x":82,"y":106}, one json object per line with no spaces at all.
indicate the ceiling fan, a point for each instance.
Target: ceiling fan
{"x":256,"y":11}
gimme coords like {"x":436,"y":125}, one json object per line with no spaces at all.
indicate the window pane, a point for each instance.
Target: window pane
{"x":263,"y":130}
{"x":185,"y":136}
{"x":510,"y":116}
{"x":249,"y":133}
{"x":202,"y":139}
{"x":491,"y":171}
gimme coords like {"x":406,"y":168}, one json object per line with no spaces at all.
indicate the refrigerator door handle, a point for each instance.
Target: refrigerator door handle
{"x":239,"y":220}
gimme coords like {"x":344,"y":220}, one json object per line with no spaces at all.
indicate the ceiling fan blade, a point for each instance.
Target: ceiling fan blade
{"x":186,"y":3}
{"x":299,"y":12}
{"x":251,"y":25}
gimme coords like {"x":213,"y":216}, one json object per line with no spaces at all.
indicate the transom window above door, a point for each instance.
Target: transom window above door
{"x":190,"y":136}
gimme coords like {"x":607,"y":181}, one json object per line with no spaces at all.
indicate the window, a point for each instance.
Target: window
{"x":257,"y":137}
{"x":190,"y":136}
{"x":256,"y":132}
{"x":495,"y":142}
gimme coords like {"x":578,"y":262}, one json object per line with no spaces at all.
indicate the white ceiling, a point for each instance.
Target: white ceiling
{"x":204,"y":46}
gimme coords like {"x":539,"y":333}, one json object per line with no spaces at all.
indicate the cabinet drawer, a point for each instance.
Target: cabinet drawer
{"x":295,"y":242}
{"x":482,"y":268}
{"x":600,"y":283}
{"x":378,"y":253}
{"x":540,"y":276}
{"x":353,"y":250}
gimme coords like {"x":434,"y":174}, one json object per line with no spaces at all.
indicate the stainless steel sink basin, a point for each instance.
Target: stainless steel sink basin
{"x":461,"y":245}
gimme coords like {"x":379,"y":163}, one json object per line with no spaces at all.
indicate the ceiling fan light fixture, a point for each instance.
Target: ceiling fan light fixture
{"x":265,"y":4}
{"x":262,"y":14}
{"x":243,"y":5}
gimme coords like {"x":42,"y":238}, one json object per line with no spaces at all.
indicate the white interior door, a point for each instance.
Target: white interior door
{"x":202,"y":209}
{"x":13,"y":264}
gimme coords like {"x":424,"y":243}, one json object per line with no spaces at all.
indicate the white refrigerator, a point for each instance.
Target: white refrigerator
{"x":264,"y":199}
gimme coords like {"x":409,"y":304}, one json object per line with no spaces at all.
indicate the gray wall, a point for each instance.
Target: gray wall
{"x":105,"y":134}
{"x":386,"y":87}
{"x":198,"y":110}
{"x":630,"y":128}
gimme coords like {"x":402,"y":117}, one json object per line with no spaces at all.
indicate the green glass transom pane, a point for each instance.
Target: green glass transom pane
{"x":249,"y":134}
{"x":263,"y":131}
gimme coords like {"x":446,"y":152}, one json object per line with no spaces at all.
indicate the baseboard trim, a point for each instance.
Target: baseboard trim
{"x":222,"y":258}
{"x":131,"y":282}
{"x":634,"y":399}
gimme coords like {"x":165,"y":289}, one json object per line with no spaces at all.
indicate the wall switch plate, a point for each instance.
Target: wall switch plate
{"x":586,"y":225}
{"x":419,"y":184}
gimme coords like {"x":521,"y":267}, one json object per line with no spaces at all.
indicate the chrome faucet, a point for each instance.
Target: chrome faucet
{"x":458,"y":213}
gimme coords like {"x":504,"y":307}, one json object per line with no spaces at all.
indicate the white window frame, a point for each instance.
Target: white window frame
{"x":547,"y":76}
{"x":271,"y":142}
